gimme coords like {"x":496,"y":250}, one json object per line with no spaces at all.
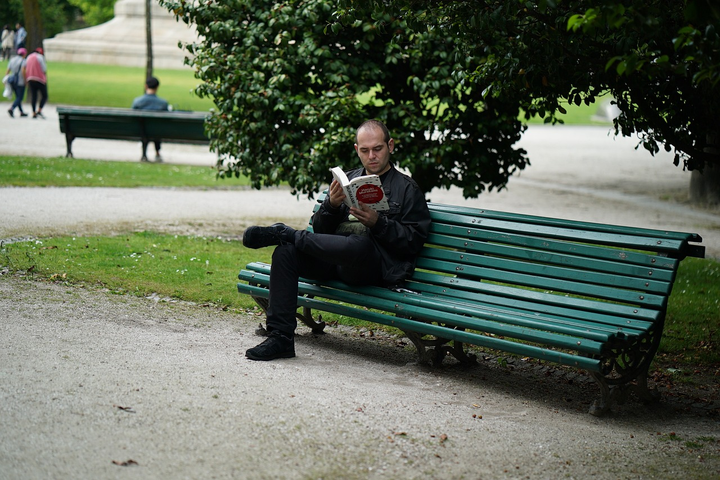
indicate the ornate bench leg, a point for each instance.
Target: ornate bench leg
{"x":625,"y":372}
{"x":306,"y":317}
{"x":436,"y":349}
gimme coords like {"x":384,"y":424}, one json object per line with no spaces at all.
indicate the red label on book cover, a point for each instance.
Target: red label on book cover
{"x":369,"y":194}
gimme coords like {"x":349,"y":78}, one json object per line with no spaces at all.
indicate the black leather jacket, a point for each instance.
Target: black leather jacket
{"x":399,"y":233}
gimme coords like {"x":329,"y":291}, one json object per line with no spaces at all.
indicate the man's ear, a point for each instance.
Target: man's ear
{"x":356,"y":149}
{"x":391,"y":145}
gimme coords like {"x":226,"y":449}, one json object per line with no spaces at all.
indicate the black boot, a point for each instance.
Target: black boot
{"x":277,"y":345}
{"x":277,"y":234}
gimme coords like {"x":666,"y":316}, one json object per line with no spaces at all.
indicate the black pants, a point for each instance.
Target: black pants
{"x":354,"y":259}
{"x":35,"y":88}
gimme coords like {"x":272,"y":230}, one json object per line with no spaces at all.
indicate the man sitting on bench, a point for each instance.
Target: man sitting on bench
{"x":150,"y":101}
{"x":381,"y":252}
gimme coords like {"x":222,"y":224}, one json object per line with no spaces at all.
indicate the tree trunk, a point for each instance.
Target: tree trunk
{"x":148,"y":38}
{"x":705,"y":186}
{"x":33,"y":25}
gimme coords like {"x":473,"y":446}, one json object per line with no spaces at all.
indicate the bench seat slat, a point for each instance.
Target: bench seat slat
{"x":548,"y":323}
{"x":579,"y":322}
{"x":563,"y":358}
{"x":488,"y":322}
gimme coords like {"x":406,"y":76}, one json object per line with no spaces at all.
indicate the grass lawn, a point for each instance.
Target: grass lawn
{"x":115,"y":86}
{"x":71,"y":172}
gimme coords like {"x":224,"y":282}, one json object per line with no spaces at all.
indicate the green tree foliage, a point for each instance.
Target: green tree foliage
{"x":659,"y":59}
{"x":95,"y":12}
{"x":56,"y":15}
{"x":291,"y":84}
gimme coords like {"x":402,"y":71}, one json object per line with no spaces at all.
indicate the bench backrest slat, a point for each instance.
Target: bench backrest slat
{"x":505,"y":294}
{"x":565,"y":233}
{"x":545,"y":283}
{"x":524,"y":242}
{"x":623,"y":320}
{"x":550,"y":272}
{"x":438,"y":208}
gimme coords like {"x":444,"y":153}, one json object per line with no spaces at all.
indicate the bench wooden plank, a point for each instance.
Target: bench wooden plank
{"x":575,"y":273}
{"x":547,"y":283}
{"x":554,"y":252}
{"x":565,"y":325}
{"x":474,"y":214}
{"x":616,"y":316}
{"x":526,"y":350}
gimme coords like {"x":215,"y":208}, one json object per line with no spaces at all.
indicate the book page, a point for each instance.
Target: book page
{"x":341,"y":178}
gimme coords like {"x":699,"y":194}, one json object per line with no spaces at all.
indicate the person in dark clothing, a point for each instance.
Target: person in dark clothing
{"x":381,"y":252}
{"x":150,"y":101}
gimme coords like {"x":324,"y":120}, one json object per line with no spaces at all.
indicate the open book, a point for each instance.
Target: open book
{"x":366,"y":189}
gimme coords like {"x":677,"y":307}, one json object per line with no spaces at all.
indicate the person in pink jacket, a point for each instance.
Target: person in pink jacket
{"x":36,"y":74}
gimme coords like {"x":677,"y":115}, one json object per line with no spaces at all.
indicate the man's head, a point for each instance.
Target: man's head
{"x":22,"y":52}
{"x":152,"y":83}
{"x":374,"y":146}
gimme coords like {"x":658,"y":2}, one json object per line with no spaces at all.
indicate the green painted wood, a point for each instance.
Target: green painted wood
{"x":579,"y":271}
{"x":586,"y":363}
{"x":545,"y":250}
{"x":129,"y":124}
{"x":560,"y":320}
{"x":487,"y":322}
{"x":574,"y":234}
{"x":473,"y":213}
{"x":603,"y":314}
{"x":554,"y":284}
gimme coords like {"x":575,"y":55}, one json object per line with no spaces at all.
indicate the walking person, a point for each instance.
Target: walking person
{"x":36,"y":73}
{"x":20,"y":36}
{"x":17,"y":66}
{"x":376,"y":248}
{"x":8,"y":42}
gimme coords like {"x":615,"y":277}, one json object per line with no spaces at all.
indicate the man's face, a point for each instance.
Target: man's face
{"x":374,"y":153}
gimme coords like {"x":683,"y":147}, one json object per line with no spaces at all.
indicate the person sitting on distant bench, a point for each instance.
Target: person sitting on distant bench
{"x":150,"y":101}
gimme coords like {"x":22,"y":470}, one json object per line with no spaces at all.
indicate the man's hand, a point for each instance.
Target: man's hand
{"x":337,"y":194}
{"x":366,"y":215}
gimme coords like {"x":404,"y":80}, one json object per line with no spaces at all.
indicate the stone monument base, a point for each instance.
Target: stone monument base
{"x":121,"y":41}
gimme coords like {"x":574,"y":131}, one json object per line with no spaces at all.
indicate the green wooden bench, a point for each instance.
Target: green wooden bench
{"x":128,"y":124}
{"x":587,"y":295}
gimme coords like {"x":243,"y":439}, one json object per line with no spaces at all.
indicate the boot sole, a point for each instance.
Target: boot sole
{"x":273,"y":357}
